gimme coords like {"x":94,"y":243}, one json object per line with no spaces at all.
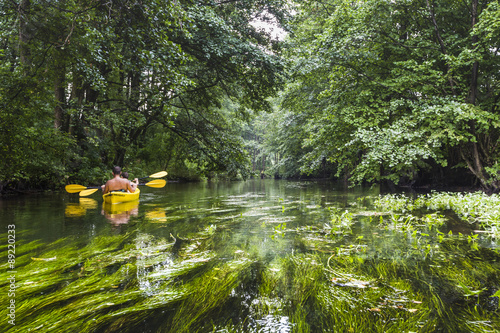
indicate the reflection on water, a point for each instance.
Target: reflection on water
{"x":156,"y":215}
{"x":120,"y":213}
{"x":79,"y":209}
{"x":255,"y":256}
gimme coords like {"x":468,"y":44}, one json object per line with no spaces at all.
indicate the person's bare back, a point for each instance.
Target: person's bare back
{"x":117,"y":183}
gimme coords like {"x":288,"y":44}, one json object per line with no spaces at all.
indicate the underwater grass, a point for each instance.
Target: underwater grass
{"x":315,"y":298}
{"x":72,"y":288}
{"x":341,"y":270}
{"x":436,"y":282}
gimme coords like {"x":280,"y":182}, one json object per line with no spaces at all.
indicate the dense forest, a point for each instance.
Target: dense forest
{"x":364,"y":91}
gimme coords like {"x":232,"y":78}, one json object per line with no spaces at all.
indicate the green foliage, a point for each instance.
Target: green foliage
{"x":113,"y":77}
{"x":279,"y":142}
{"x":474,"y":208}
{"x":31,"y":149}
{"x":385,"y":92}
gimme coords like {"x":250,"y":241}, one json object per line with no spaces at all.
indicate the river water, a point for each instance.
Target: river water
{"x":254,"y":256}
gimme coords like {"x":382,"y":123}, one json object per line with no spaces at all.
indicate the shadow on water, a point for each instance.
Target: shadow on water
{"x":255,"y":256}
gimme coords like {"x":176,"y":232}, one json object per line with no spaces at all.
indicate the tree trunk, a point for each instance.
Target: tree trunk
{"x":24,"y":35}
{"x":120,"y":157}
{"x":253,"y":159}
{"x":475,"y":160}
{"x":60,"y":96}
{"x":475,"y":166}
{"x":475,"y":66}
{"x":77,"y":96}
{"x":440,"y":40}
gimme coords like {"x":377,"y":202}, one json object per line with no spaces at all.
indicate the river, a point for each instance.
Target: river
{"x":253,"y":256}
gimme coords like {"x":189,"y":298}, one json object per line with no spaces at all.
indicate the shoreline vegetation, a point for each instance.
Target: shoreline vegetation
{"x":403,"y":92}
{"x":388,"y":187}
{"x":403,"y":95}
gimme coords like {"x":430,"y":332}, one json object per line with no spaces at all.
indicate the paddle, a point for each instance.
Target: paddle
{"x":160,"y":174}
{"x":84,"y":193}
{"x":157,"y":183}
{"x":75,"y":188}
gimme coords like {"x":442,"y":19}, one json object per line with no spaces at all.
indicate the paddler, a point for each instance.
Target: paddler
{"x":134,"y":183}
{"x":119,"y":184}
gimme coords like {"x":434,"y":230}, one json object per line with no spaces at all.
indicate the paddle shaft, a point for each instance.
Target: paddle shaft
{"x":75,"y":188}
{"x":157,"y":183}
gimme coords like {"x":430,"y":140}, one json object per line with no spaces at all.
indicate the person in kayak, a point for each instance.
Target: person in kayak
{"x":119,"y":184}
{"x":132,"y":184}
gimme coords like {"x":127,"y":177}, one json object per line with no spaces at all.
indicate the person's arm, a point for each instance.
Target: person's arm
{"x":134,"y":183}
{"x":106,"y":188}
{"x":130,"y":188}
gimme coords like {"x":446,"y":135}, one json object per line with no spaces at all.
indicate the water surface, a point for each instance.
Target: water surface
{"x":254,"y":256}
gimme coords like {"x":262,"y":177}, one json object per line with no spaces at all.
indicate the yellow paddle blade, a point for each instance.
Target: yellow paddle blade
{"x":158,"y":183}
{"x":84,"y":193}
{"x":158,"y":174}
{"x":75,"y":188}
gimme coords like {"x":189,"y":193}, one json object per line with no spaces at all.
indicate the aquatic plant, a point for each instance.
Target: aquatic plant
{"x":470,"y":207}
{"x":331,"y":269}
{"x":395,"y":202}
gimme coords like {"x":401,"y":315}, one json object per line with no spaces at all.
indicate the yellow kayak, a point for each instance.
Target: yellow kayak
{"x":120,"y":213}
{"x":117,"y":197}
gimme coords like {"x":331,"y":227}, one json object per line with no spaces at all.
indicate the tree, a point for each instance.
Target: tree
{"x":112,"y":74}
{"x":397,"y":88}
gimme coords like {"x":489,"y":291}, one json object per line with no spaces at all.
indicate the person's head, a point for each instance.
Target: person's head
{"x":125,"y":174}
{"x":117,"y":170}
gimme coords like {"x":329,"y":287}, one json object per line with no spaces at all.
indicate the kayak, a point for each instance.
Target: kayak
{"x":120,"y":208}
{"x":117,"y":196}
{"x":120,"y":213}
